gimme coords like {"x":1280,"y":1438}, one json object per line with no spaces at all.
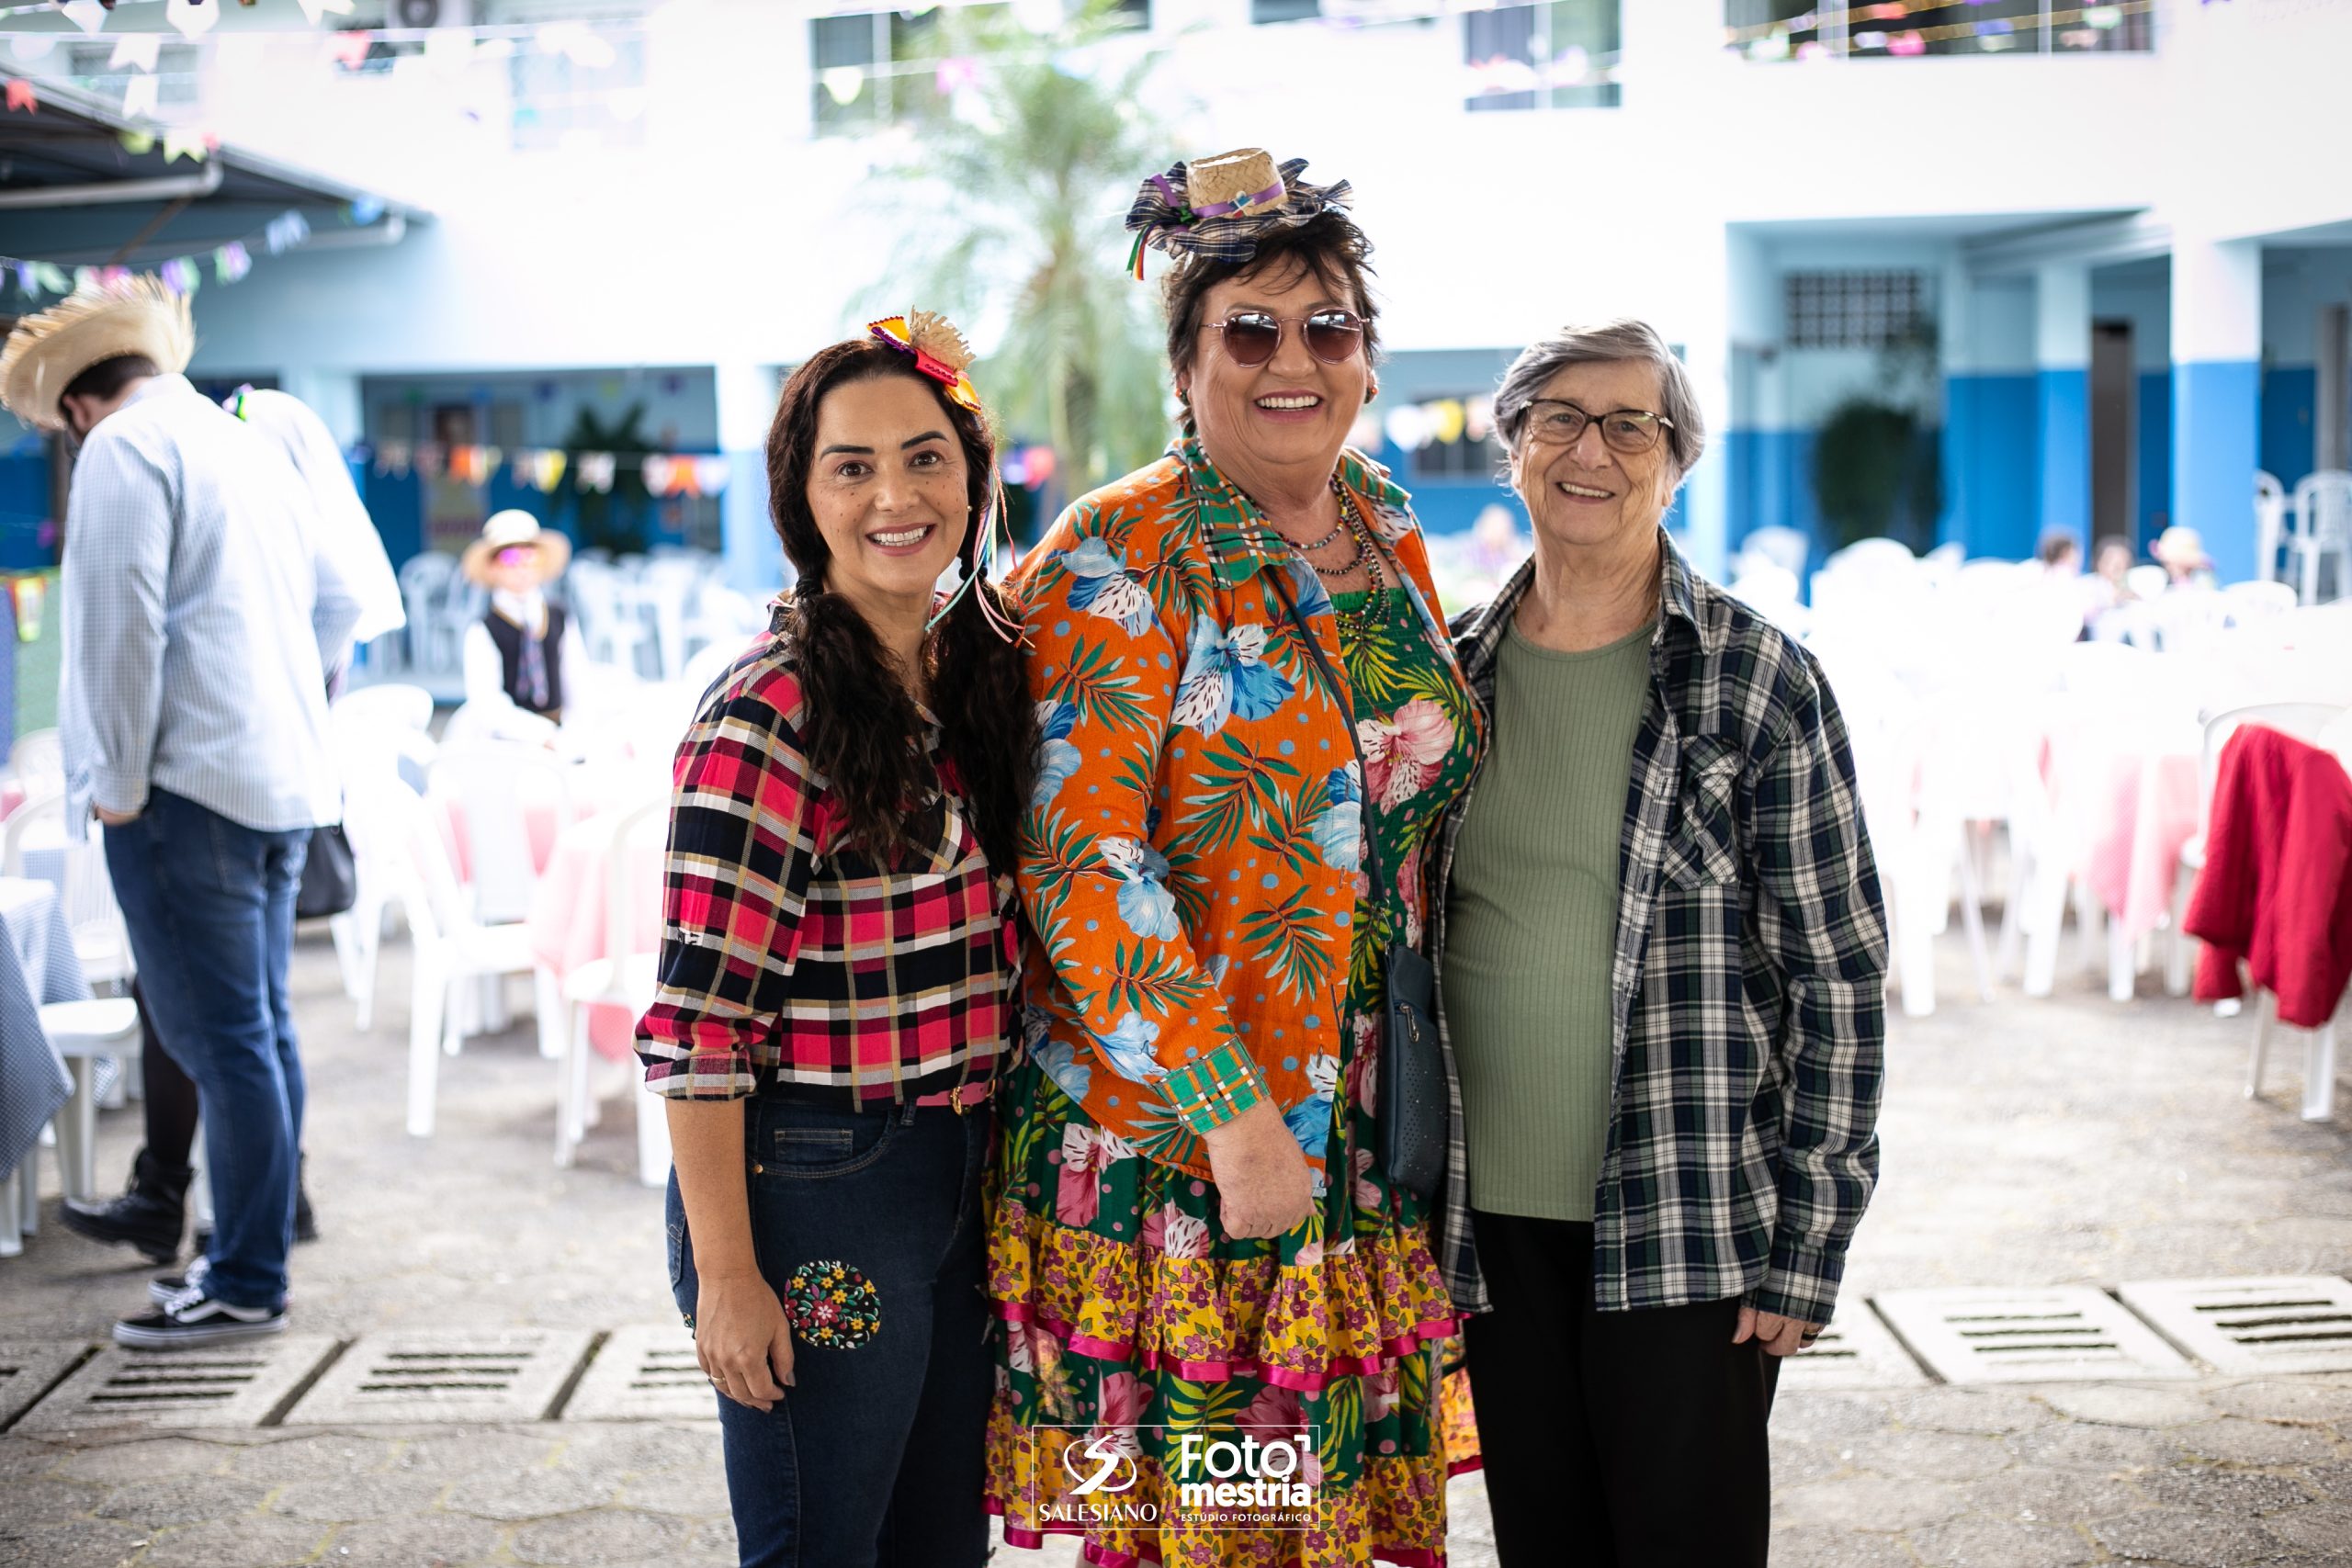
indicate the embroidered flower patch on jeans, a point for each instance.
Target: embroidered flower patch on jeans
{"x":832,"y":1305}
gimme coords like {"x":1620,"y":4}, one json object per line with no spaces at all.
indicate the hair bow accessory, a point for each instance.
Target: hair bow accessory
{"x":938,"y":349}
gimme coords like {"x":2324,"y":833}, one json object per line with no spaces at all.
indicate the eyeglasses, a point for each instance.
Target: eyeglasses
{"x":1554,"y":422}
{"x":1251,"y":337}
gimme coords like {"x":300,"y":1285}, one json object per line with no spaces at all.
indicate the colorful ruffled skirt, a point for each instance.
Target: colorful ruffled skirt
{"x":1128,"y":1316}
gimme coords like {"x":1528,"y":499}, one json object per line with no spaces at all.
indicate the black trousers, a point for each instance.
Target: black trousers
{"x":170,"y":1094}
{"x":1614,"y":1439}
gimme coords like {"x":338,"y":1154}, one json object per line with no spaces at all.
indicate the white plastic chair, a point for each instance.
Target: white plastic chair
{"x":625,"y":977}
{"x":101,"y":940}
{"x":452,"y":948}
{"x":81,"y":1033}
{"x":496,"y":786}
{"x":2147,"y":582}
{"x":1784,"y":547}
{"x":389,"y":703}
{"x":2250,"y":604}
{"x":1772,"y":592}
{"x":611,"y":628}
{"x":2270,"y":524}
{"x":2114,"y":699}
{"x":38,"y":761}
{"x":2187,"y":619}
{"x":382,"y":727}
{"x":426,"y":579}
{"x":2322,"y":528}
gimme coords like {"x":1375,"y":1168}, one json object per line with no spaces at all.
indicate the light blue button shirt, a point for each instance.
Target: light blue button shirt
{"x":199,"y":619}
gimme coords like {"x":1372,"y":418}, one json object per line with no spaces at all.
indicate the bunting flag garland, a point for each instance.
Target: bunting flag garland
{"x":665,"y":474}
{"x":182,"y":274}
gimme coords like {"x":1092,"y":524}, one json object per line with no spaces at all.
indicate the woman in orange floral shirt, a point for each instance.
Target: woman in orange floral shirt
{"x":1239,"y":676}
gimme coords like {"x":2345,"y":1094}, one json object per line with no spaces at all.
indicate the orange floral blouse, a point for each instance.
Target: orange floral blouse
{"x":1193,"y":855}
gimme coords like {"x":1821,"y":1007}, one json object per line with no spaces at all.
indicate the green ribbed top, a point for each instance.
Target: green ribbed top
{"x":1532,"y":924}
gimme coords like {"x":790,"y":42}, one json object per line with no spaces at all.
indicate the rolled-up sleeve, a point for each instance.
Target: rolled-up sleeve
{"x":744,"y":823}
{"x":1823,"y":927}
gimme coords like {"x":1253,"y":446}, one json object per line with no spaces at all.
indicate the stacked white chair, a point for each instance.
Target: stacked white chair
{"x":378,"y":731}
{"x":2114,"y":700}
{"x":426,"y":580}
{"x":80,"y":1032}
{"x":494,"y":788}
{"x":453,"y":948}
{"x":2270,"y":524}
{"x":2323,"y":529}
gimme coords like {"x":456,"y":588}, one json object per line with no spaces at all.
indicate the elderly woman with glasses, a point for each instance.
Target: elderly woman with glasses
{"x":1209,"y":1269}
{"x":1660,"y":949}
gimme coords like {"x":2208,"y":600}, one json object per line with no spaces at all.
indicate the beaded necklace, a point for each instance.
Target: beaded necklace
{"x":1355,"y":625}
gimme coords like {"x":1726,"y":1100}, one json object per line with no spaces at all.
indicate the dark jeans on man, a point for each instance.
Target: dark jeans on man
{"x":1626,"y":1439}
{"x":210,"y":904}
{"x":875,"y":1457}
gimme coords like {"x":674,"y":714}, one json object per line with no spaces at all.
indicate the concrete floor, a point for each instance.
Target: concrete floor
{"x":2069,"y":1141}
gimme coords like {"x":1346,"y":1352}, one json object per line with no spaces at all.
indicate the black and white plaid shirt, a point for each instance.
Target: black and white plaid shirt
{"x":1749,"y":1009}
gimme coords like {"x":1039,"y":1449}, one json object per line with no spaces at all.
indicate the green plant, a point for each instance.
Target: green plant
{"x":612,"y":521}
{"x":1877,"y":466}
{"x":1020,"y":189}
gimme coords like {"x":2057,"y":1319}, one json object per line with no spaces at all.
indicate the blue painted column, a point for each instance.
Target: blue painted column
{"x":1990,"y":446}
{"x":753,"y":554}
{"x":2217,"y":395}
{"x":2061,"y":364}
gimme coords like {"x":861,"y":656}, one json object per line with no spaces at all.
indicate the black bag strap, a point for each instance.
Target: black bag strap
{"x":1345,"y":694}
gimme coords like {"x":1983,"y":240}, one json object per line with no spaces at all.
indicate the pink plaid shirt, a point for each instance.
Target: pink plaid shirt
{"x":790,"y":963}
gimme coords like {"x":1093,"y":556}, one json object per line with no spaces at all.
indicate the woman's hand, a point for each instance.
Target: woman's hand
{"x":1264,"y":1188}
{"x":742,"y":1339}
{"x":1779,"y":1336}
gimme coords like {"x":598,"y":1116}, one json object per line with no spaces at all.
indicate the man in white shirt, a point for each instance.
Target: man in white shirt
{"x":198,"y":617}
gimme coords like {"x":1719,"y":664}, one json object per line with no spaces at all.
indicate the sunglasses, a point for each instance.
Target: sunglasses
{"x":516,"y":555}
{"x":1252,"y":337}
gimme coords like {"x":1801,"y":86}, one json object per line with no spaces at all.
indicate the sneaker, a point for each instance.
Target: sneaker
{"x":164,"y":1287}
{"x":192,"y":1317}
{"x":148,"y":1216}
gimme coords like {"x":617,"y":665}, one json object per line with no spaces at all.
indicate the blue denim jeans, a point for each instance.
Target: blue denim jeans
{"x":870,"y":1228}
{"x":210,"y":905}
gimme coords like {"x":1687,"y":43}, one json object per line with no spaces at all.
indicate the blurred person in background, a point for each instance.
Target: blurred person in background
{"x":152,"y":1214}
{"x":836,"y":975}
{"x":1662,"y":958}
{"x":524,"y":655}
{"x":2059,"y":554}
{"x":199,"y":619}
{"x":2181,"y":552}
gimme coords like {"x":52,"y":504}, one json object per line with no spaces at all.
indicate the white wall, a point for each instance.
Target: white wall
{"x":730,"y":237}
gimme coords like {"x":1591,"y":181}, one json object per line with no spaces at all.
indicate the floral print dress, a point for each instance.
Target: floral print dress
{"x":1129,"y":1314}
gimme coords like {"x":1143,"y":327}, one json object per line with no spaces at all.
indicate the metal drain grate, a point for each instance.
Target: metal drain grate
{"x":498,"y":1375}
{"x":2298,"y":1324}
{"x":2057,"y":1334}
{"x":646,"y":1371}
{"x":1854,"y":1351}
{"x":226,"y":1385}
{"x":28,"y":1371}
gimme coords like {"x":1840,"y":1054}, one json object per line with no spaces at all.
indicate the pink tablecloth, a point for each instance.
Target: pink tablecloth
{"x":2134,"y":805}
{"x":566,"y":922}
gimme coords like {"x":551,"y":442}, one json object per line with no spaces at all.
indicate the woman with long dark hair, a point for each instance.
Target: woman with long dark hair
{"x":835,"y":973}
